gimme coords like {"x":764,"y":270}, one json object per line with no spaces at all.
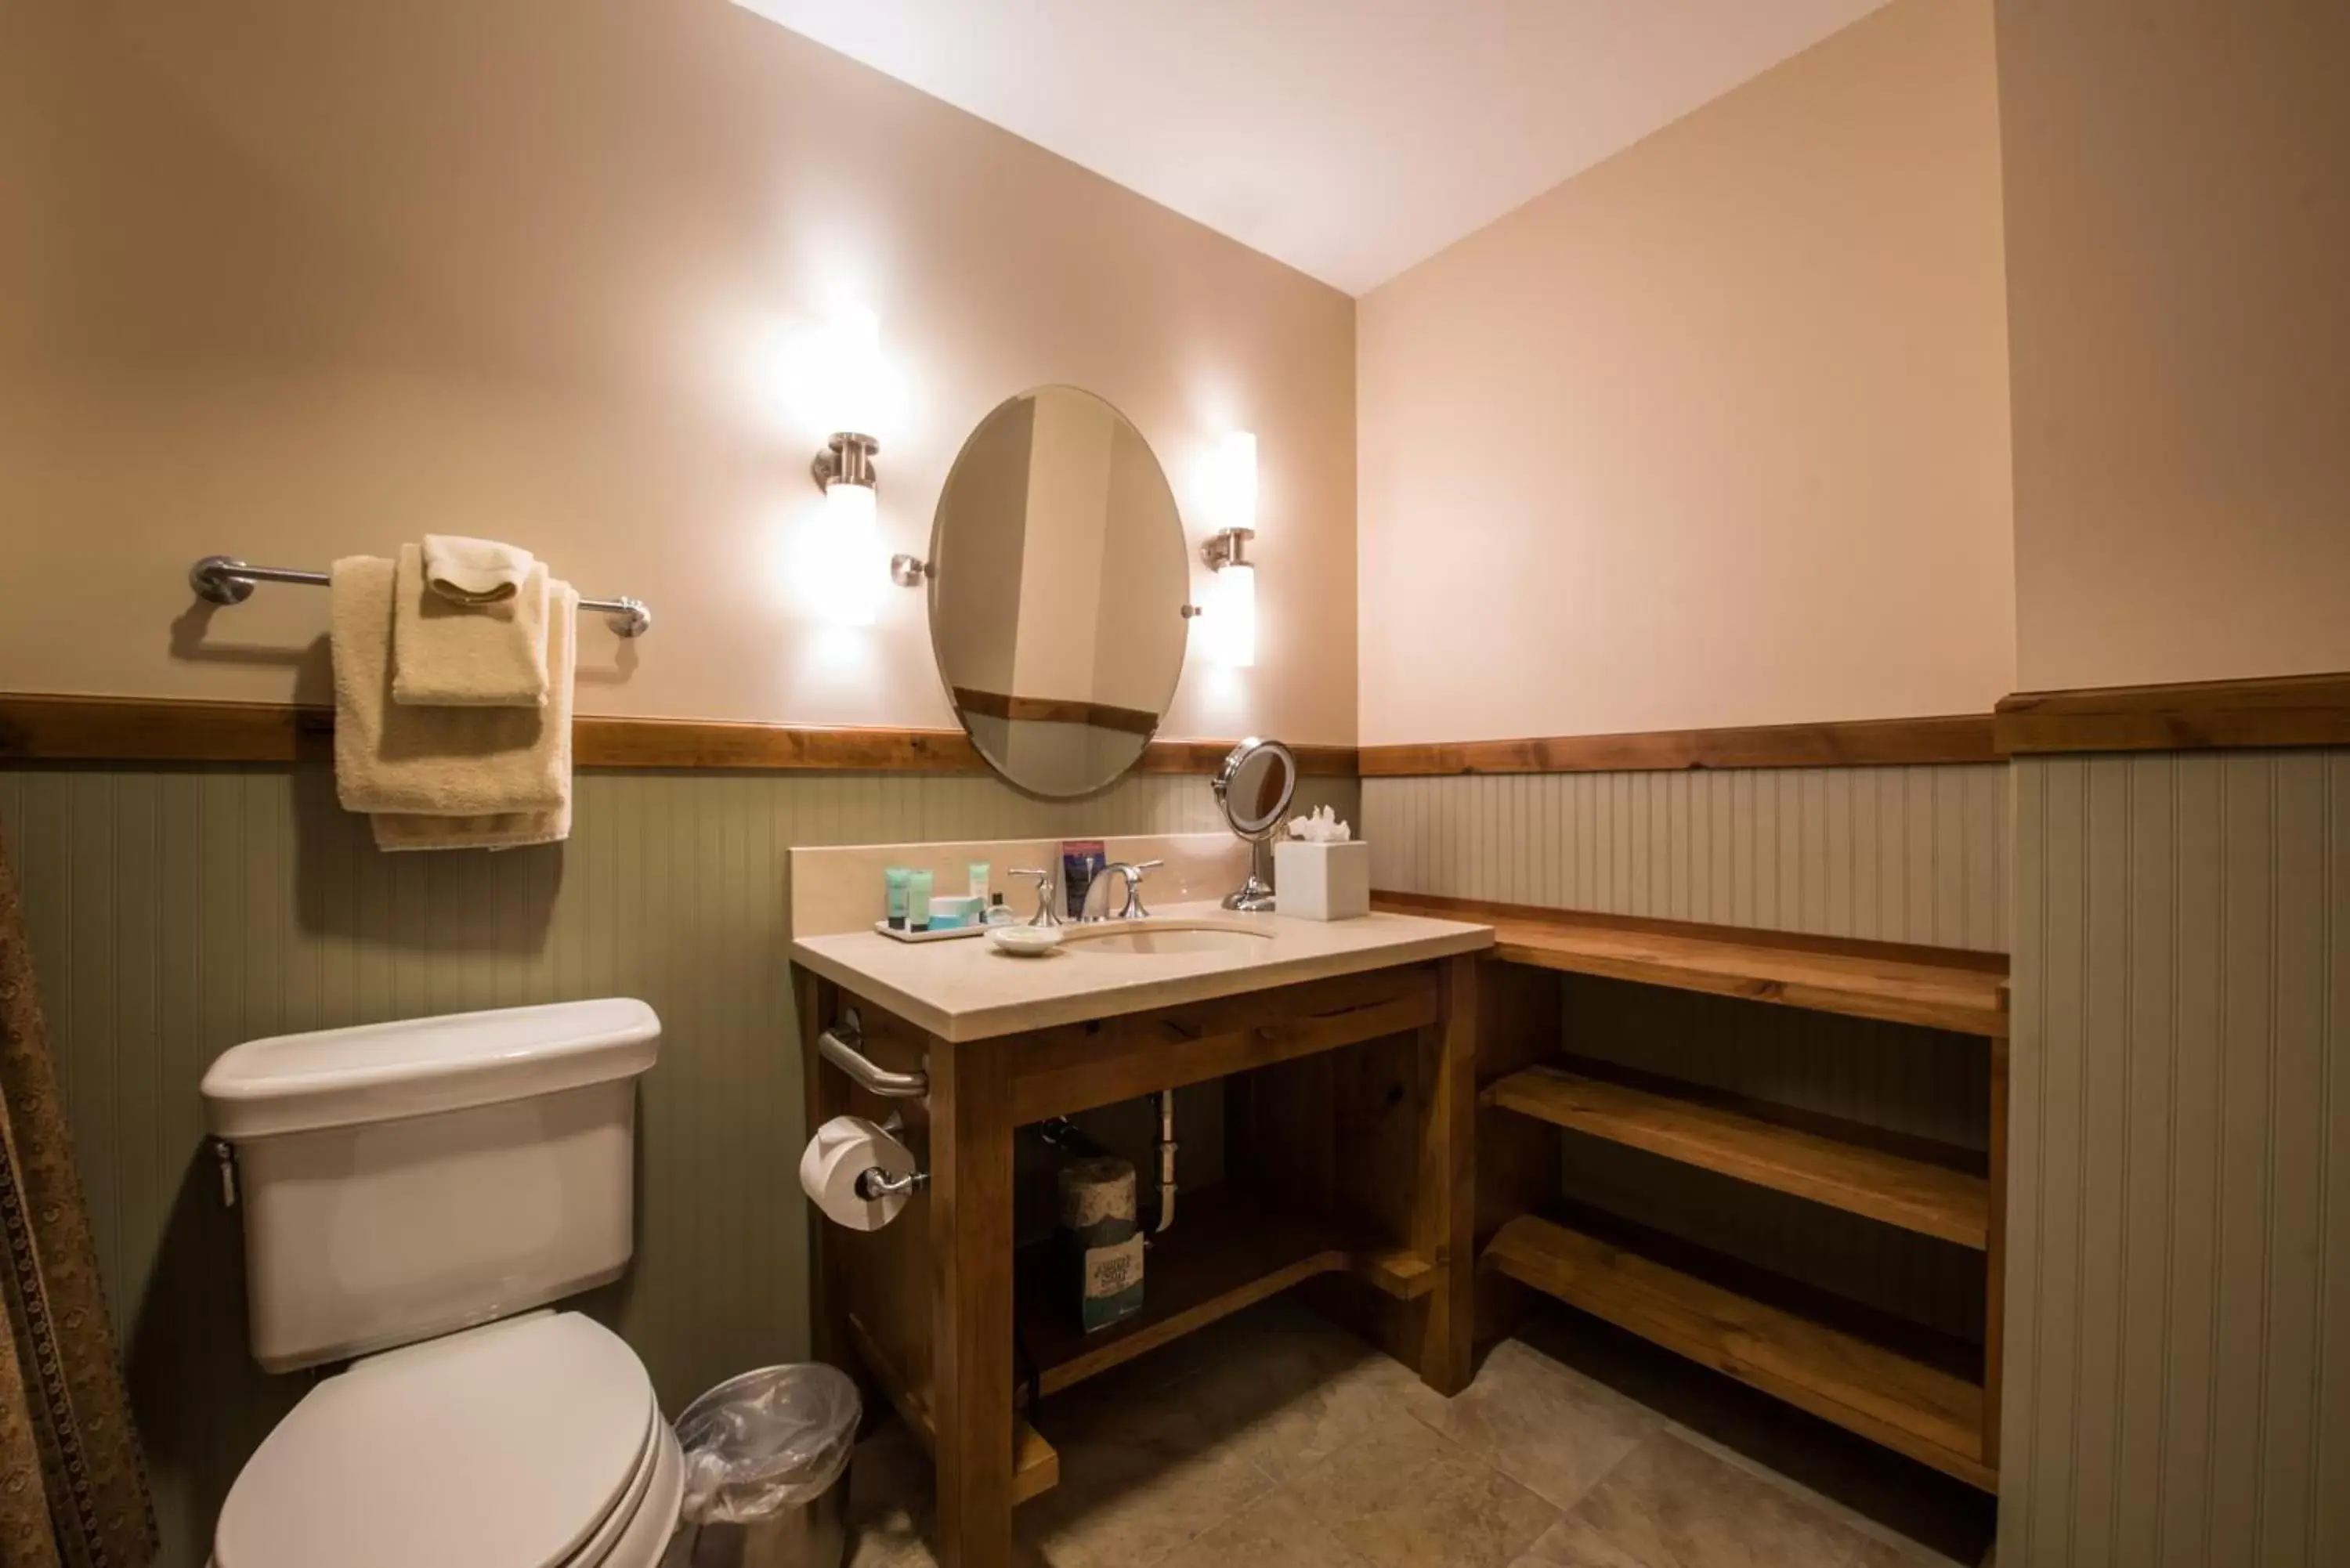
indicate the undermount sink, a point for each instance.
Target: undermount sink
{"x":1170,"y":940}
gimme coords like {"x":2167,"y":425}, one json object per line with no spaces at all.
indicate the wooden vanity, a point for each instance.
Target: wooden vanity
{"x":1348,"y":1054}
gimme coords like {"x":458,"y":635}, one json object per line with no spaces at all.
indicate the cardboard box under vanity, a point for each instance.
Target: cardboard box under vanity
{"x":1322,"y":881}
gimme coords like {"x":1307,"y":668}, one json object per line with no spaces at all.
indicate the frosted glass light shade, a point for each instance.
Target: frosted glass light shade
{"x":842,"y":567}
{"x":1228,"y":620}
{"x":848,"y":377}
{"x":1232,"y":482}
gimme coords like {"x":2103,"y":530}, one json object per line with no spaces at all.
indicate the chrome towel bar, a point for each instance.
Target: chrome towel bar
{"x":839,"y":1045}
{"x":226,"y":580}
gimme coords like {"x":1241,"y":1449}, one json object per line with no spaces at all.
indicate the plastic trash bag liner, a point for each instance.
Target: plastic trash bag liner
{"x":766,"y":1441}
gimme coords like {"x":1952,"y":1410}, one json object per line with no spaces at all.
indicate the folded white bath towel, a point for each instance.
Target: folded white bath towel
{"x":447,"y":655}
{"x":440,"y":762}
{"x":474,"y":571}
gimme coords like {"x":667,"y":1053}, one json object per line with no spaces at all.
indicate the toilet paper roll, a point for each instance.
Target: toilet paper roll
{"x":843,"y":1150}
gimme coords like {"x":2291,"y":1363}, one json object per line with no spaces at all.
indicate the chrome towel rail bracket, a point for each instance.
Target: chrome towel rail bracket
{"x":226,"y":580}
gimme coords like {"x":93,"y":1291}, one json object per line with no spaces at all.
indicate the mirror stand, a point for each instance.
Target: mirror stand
{"x":1255,"y":895}
{"x":1254,"y":787}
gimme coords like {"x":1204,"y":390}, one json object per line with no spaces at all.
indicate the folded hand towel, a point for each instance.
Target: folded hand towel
{"x":474,"y":571}
{"x":400,"y":830}
{"x":442,"y":761}
{"x":397,"y":830}
{"x":456,"y":656}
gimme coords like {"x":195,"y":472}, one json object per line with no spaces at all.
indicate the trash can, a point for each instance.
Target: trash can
{"x":767,"y":1462}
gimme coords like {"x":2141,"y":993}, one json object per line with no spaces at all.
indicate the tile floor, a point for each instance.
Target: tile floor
{"x":1275,"y":1437}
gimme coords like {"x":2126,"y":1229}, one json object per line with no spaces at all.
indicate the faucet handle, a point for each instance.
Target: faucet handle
{"x":1134,"y":909}
{"x":1046,"y":914}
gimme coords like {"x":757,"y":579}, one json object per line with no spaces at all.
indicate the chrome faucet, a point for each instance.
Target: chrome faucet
{"x":1128,"y":873}
{"x":1046,"y":915}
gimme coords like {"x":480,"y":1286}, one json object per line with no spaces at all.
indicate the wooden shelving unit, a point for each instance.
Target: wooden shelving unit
{"x":1964,"y":992}
{"x":1894,"y":1399}
{"x":1932,"y":1200}
{"x":1800,"y":1350}
{"x":1225,"y":1253}
{"x":1035,"y":1463}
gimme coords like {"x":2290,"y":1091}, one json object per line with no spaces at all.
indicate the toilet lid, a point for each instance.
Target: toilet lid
{"x":502,"y":1446}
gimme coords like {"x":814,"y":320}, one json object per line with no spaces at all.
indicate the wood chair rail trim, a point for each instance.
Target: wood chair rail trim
{"x":43,"y":728}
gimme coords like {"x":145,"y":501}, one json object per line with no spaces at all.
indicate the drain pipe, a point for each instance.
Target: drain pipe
{"x":1166,"y":1162}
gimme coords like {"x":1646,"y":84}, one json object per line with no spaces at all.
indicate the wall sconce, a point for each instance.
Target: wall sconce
{"x":1228,"y":620}
{"x":840,"y":563}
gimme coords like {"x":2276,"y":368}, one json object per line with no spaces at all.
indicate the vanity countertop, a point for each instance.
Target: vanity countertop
{"x":968,"y":989}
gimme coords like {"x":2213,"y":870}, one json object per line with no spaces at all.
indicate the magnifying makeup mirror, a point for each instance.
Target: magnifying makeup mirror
{"x":1253,"y":788}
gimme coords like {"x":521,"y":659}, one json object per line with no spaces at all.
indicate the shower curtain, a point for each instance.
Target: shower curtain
{"x":73,"y":1492}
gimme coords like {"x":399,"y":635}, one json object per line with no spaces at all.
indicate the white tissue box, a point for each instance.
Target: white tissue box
{"x":1322,"y":881}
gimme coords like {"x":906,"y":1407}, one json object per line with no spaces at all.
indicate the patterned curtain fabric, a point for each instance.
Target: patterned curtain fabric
{"x":73,"y":1491}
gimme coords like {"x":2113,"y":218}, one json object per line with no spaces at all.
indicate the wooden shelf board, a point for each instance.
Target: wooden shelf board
{"x":1961,"y":993}
{"x":1931,"y":1200}
{"x":1035,"y":1463}
{"x":1225,"y":1253}
{"x":1904,"y":1404}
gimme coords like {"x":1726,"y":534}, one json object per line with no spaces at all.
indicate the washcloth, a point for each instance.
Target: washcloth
{"x":447,"y":655}
{"x":474,"y":571}
{"x":440,"y":762}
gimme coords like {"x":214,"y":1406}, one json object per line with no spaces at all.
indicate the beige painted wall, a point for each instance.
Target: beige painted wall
{"x":1715,"y":433}
{"x":2178,"y":231}
{"x":288,"y":281}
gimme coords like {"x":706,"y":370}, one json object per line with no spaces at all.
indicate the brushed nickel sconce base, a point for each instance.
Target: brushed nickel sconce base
{"x":909,"y":571}
{"x":1228,"y":548}
{"x":847,"y":459}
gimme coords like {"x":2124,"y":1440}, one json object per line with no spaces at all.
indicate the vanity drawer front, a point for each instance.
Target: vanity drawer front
{"x":1078,"y":1066}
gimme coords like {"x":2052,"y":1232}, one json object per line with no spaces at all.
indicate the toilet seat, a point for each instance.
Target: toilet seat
{"x":534,"y":1442}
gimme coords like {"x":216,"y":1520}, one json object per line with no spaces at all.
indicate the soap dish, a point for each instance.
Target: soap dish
{"x":1028,"y":941}
{"x":933,"y":934}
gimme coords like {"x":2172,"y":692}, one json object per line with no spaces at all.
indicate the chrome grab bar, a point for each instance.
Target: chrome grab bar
{"x":839,"y":1045}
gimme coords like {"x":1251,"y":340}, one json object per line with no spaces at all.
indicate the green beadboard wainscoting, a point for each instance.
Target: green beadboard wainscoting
{"x":176,"y":911}
{"x":2179,"y":1242}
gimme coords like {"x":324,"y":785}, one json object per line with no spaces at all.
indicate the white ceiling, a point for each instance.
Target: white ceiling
{"x":1348,"y":138}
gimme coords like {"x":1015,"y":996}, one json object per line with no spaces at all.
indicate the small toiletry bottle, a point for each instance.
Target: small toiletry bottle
{"x":918,"y":900}
{"x":979,"y":876}
{"x":999,"y":913}
{"x":893,"y":882}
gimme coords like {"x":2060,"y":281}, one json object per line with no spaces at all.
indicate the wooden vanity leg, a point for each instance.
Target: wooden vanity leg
{"x":1444,"y":1217}
{"x":971,"y":1300}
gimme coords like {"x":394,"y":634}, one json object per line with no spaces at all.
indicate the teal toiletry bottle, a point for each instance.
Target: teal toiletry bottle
{"x":894,"y":881}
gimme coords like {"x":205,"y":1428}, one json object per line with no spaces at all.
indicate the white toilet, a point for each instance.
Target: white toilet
{"x":414,"y":1195}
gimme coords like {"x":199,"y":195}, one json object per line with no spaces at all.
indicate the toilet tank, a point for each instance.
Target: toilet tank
{"x":404,"y":1180}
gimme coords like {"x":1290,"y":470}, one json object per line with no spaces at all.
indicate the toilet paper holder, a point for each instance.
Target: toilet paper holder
{"x":839,"y":1045}
{"x":875,"y":1183}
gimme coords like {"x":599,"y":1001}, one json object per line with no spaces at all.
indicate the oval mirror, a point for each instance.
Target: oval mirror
{"x":1254,"y":787}
{"x":1058,"y":579}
